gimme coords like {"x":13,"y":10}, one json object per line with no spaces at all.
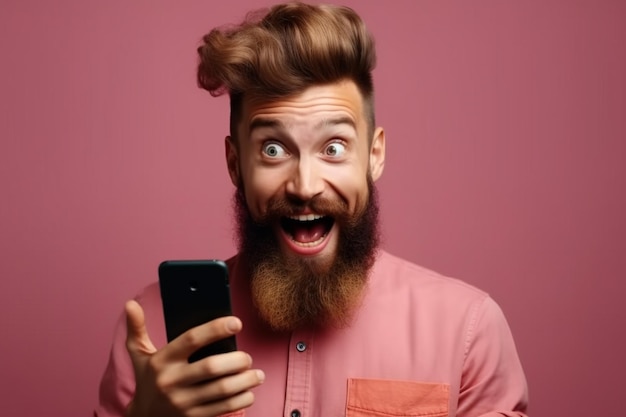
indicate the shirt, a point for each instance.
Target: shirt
{"x":421,"y":344}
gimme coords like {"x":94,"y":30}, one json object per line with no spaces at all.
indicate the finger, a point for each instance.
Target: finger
{"x":187,"y":343}
{"x":215,"y":366}
{"x":225,"y":387}
{"x":137,"y":338}
{"x":237,"y":402}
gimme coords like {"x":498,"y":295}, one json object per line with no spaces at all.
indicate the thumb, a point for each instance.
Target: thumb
{"x":138,"y":341}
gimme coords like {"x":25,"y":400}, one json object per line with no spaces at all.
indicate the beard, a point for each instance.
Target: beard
{"x":292,"y":292}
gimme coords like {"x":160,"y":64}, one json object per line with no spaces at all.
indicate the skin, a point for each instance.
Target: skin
{"x":167,"y":385}
{"x":312,"y":144}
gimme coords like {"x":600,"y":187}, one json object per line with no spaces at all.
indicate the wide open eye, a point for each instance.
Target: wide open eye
{"x":274,"y":150}
{"x":335,"y":149}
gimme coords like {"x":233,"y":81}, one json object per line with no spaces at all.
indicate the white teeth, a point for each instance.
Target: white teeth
{"x":306,"y":217}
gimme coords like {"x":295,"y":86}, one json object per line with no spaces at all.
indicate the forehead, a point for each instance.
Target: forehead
{"x":341,"y":100}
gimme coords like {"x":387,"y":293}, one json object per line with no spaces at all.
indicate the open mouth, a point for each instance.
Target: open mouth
{"x":307,"y":230}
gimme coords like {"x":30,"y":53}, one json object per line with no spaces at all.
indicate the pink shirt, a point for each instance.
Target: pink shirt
{"x":421,"y":345}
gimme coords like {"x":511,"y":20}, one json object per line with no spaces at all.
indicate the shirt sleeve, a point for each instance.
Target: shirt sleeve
{"x":118,"y":382}
{"x":493,"y":382}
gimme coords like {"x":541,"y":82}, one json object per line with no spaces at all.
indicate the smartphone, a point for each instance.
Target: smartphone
{"x":193,"y":293}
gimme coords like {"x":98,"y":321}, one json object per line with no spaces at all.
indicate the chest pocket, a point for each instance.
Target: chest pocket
{"x":390,"y":398}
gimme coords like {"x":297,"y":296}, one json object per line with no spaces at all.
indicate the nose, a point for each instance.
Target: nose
{"x":305,"y":181}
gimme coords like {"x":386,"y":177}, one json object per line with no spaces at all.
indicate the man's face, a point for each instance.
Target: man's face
{"x":304,"y":166}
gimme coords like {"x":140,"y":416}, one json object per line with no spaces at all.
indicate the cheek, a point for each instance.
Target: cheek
{"x":259,"y":187}
{"x":351,"y":186}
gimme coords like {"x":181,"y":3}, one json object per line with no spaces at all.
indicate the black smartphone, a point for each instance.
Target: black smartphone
{"x":193,"y":293}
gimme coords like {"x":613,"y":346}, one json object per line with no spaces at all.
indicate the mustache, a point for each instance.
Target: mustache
{"x":278,"y":208}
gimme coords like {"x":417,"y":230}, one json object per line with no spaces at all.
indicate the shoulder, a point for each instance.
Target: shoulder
{"x":393,"y":272}
{"x":419,"y":291}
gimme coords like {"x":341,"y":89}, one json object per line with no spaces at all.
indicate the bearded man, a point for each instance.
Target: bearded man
{"x":335,"y":326}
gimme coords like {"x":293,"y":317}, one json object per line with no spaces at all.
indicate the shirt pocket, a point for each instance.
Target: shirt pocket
{"x":385,"y":398}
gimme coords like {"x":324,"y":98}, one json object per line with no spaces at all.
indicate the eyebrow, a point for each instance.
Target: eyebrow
{"x":275,"y":123}
{"x":344,"y":120}
{"x":265,"y":122}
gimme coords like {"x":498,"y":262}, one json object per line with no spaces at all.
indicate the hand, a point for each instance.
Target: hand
{"x":168,"y":386}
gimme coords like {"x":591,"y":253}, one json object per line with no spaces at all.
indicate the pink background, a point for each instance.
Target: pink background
{"x":506,"y":126}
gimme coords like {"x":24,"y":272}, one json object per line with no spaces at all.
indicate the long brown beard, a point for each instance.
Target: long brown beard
{"x":292,"y":292}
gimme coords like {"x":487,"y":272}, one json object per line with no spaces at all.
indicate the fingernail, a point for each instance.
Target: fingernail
{"x":260,"y":375}
{"x":233,"y":325}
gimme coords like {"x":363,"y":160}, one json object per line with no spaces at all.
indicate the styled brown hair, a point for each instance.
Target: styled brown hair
{"x":282,"y":51}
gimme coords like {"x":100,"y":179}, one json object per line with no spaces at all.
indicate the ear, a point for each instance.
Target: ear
{"x":377,"y":154}
{"x":232,"y":160}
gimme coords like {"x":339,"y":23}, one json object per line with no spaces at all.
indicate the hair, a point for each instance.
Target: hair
{"x":282,"y":51}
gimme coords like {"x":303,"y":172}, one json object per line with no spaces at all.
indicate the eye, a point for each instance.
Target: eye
{"x":274,"y":150}
{"x":335,"y":149}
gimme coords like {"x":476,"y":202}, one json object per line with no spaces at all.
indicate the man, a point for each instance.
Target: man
{"x":333,"y":325}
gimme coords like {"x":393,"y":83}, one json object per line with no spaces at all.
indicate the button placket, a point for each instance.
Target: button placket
{"x":295,"y":413}
{"x":297,"y":396}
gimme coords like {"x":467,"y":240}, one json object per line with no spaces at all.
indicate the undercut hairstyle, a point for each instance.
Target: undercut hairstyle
{"x":282,"y":51}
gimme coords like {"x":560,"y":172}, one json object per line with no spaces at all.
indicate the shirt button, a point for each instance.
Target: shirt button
{"x":301,"y":347}
{"x":295,"y":413}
